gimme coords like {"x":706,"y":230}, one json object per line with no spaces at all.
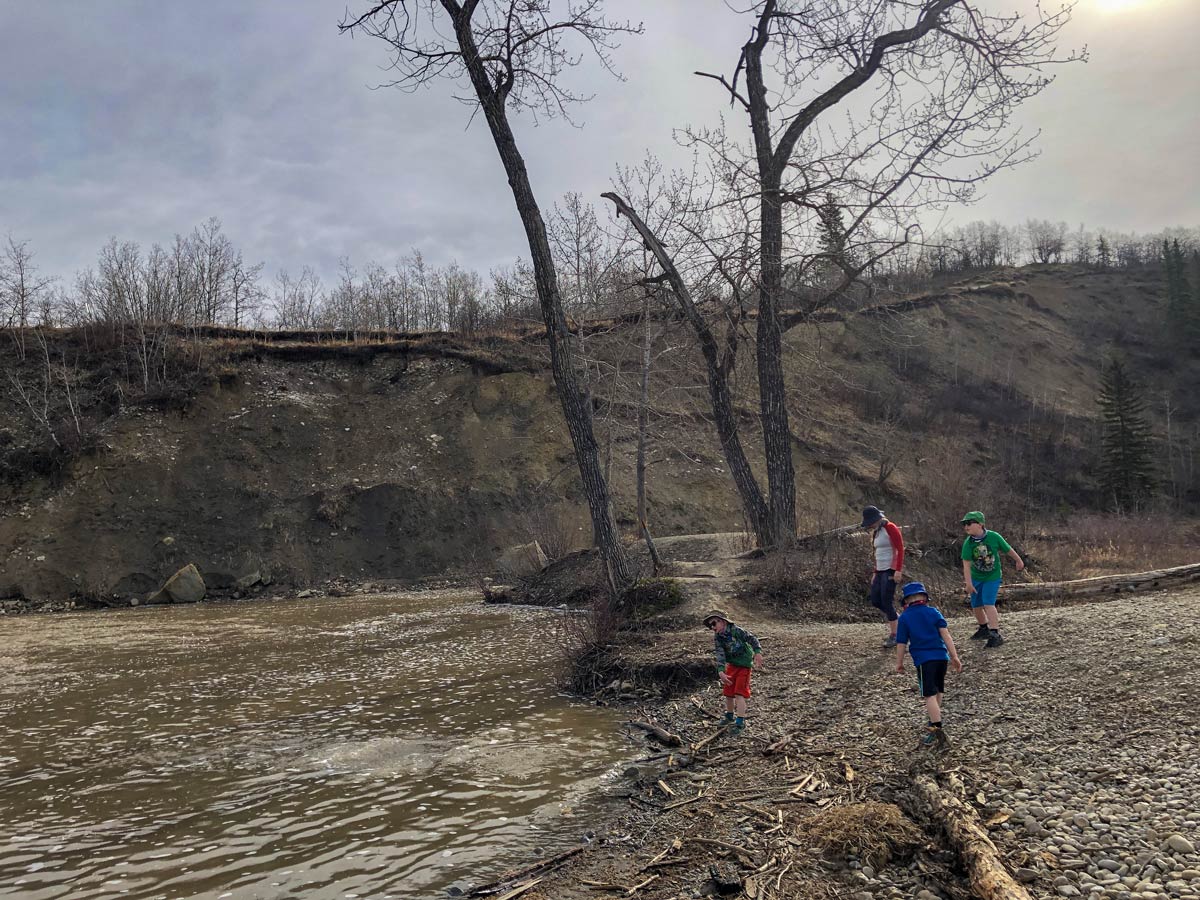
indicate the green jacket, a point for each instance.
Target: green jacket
{"x":736,"y":646}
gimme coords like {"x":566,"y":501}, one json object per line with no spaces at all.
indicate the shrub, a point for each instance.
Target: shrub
{"x":648,"y":598}
{"x":825,"y":581}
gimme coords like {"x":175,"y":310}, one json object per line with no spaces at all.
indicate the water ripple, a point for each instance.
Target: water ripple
{"x":370,"y":746}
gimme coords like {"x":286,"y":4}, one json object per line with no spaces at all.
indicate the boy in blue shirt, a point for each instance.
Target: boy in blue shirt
{"x":922,"y":629}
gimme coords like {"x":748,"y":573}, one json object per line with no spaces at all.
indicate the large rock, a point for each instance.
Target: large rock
{"x":250,"y":580}
{"x":524,"y":559}
{"x":185,"y":586}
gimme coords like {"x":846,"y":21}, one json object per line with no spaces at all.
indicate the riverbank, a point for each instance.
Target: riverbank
{"x":1074,"y":743}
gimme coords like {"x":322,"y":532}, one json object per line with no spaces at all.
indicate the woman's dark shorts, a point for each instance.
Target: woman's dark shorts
{"x":931,"y":676}
{"x":883,"y":593}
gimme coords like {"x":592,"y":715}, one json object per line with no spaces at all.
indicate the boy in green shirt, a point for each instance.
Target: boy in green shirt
{"x":981,"y":574}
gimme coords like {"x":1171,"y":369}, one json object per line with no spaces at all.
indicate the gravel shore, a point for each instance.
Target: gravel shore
{"x":1077,"y":744}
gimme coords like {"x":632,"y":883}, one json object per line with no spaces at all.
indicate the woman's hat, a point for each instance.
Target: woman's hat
{"x":871,"y":515}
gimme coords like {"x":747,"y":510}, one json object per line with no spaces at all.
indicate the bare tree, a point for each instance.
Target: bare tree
{"x":924,"y":92}
{"x":298,"y":302}
{"x":513,"y":54}
{"x":718,"y":350}
{"x":1047,"y":240}
{"x":23,"y":291}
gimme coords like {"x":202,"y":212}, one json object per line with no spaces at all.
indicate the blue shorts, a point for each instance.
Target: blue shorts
{"x":985,"y":593}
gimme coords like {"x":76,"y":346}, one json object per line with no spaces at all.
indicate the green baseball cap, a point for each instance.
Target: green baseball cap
{"x":973,"y":516}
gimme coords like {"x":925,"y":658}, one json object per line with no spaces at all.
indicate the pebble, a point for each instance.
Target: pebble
{"x":1180,"y":844}
{"x":1027,"y":876}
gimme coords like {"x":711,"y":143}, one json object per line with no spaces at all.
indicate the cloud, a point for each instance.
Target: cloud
{"x":142,"y":119}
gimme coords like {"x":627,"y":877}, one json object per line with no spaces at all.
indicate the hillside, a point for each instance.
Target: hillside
{"x":308,"y":462}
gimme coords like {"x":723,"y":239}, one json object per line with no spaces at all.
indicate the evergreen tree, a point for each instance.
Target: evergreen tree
{"x":1126,"y":469}
{"x":831,"y":239}
{"x":1183,"y":312}
{"x":1103,"y":253}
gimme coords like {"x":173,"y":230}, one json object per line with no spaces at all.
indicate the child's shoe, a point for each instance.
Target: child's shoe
{"x":889,"y":642}
{"x":739,"y":725}
{"x":994,"y":639}
{"x":981,"y":633}
{"x":934,"y":738}
{"x":728,"y":720}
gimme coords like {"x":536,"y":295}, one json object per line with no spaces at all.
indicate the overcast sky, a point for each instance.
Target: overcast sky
{"x":140,"y":119}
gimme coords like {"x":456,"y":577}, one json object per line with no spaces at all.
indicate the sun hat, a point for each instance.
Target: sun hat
{"x":715,"y":614}
{"x":913,"y":587}
{"x":973,"y":516}
{"x":871,"y":515}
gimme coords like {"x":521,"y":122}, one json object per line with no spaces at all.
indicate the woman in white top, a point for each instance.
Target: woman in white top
{"x":888,"y":547}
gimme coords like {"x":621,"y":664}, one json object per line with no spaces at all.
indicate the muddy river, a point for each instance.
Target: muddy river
{"x":385,"y":746}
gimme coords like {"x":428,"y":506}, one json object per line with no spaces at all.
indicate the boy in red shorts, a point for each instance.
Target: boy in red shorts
{"x":738,"y":652}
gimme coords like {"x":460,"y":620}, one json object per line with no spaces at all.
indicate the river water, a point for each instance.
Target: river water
{"x":382,"y":746}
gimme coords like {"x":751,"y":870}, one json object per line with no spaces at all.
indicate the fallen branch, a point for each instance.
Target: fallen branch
{"x":674,"y":845}
{"x":496,"y":886}
{"x":679,"y":803}
{"x":988,"y":876}
{"x":708,"y":740}
{"x":517,"y":891}
{"x":700,"y":706}
{"x":637,"y":887}
{"x":660,"y":734}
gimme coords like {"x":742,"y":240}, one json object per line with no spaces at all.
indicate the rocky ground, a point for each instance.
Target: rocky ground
{"x":1075,"y":744}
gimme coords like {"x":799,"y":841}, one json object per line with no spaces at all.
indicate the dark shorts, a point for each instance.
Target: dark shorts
{"x":883,"y":593}
{"x":931,"y":676}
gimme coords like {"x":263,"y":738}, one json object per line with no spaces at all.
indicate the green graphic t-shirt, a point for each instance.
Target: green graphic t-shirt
{"x":984,"y":555}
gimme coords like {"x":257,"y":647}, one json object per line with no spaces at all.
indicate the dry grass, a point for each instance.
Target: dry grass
{"x":825,"y":583}
{"x":1096,"y":544}
{"x":874,"y":832}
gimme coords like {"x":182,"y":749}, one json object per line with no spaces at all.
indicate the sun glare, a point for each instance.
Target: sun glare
{"x":1118,"y":6}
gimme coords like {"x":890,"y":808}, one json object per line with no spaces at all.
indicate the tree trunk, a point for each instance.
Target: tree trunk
{"x":643,"y":437}
{"x":988,"y":876}
{"x":576,"y":404}
{"x":777,"y":438}
{"x":643,"y":424}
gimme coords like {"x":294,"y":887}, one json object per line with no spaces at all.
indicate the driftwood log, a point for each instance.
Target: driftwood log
{"x":659,"y":734}
{"x":988,"y":875}
{"x":1105,"y":584}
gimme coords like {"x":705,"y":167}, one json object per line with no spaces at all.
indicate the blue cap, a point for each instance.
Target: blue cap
{"x":913,"y":587}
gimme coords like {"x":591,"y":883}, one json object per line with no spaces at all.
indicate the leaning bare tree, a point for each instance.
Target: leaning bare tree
{"x":512,"y":53}
{"x":861,"y":114}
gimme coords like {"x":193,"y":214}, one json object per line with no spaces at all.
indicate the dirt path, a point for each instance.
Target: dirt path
{"x":1076,"y":741}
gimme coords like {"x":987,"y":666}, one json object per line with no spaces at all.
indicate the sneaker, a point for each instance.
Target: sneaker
{"x":981,"y":633}
{"x":934,"y":739}
{"x":728,"y":720}
{"x":994,"y":639}
{"x":889,"y":641}
{"x":736,"y":729}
